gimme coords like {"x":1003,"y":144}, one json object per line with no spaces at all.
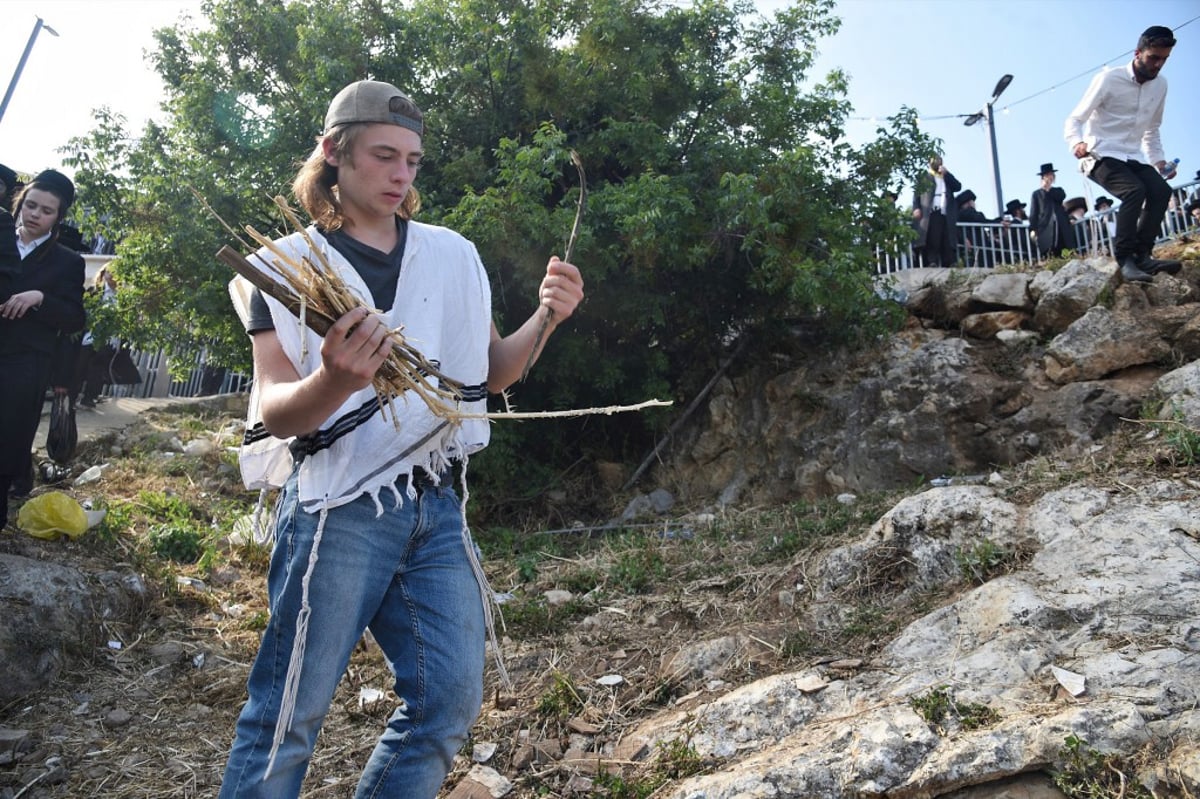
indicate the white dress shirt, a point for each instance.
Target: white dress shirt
{"x":1122,"y":117}
{"x":939,"y":193}
{"x":24,"y":249}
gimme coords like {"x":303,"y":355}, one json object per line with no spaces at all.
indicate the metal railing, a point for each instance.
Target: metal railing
{"x":990,"y":244}
{"x":202,"y":379}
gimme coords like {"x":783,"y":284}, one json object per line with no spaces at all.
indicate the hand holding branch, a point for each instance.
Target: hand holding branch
{"x":580,"y":210}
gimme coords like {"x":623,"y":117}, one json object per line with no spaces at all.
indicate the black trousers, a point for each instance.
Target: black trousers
{"x":1144,"y":198}
{"x":939,"y":249}
{"x":22,"y":395}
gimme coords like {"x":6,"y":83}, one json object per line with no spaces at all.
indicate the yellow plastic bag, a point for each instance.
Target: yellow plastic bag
{"x":51,"y":515}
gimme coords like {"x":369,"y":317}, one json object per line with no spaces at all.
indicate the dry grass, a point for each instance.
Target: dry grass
{"x":639,"y":598}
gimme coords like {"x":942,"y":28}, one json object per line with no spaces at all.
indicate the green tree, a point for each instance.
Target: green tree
{"x":724,"y":198}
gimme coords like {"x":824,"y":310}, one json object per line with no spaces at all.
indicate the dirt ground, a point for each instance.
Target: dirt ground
{"x":150,"y":711}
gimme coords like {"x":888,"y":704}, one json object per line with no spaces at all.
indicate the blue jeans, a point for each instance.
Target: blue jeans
{"x":404,"y":575}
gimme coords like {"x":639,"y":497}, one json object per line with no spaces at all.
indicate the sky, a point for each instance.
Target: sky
{"x":941,"y":57}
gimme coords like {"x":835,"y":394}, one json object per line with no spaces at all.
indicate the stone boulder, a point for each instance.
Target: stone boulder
{"x":1127,"y":633}
{"x":969,"y":384}
{"x":70,"y":611}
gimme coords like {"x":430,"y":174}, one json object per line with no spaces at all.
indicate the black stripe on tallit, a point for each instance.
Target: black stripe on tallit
{"x":346,"y":424}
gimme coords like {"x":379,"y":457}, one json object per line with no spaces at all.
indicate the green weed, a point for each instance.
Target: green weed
{"x":561,"y":700}
{"x":530,"y":617}
{"x":636,"y":571}
{"x":1089,"y":774}
{"x":939,"y":707}
{"x":1183,"y":440}
{"x":676,"y":759}
{"x":982,"y":560}
{"x":177,"y":542}
{"x":808,"y":524}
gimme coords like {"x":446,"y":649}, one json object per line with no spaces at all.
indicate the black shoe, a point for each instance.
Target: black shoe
{"x":1131,"y":274}
{"x":1153,"y":266}
{"x":88,"y":402}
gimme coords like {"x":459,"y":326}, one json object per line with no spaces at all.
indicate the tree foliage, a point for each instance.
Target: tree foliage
{"x":724,"y":197}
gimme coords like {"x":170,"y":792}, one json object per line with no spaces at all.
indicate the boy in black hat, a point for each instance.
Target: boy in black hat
{"x":1012,"y":240}
{"x":43,"y":300}
{"x":1121,"y":150}
{"x":975,"y":242}
{"x":1049,"y":223}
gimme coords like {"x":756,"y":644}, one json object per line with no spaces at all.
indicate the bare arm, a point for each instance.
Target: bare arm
{"x":561,"y":291}
{"x":352,"y":351}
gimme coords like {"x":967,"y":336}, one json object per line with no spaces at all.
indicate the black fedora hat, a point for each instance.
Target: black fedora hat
{"x":1102,"y":200}
{"x":58,"y":184}
{"x":1014,"y":205}
{"x":1047,"y":168}
{"x":964,"y":198}
{"x":8,"y":177}
{"x":1073,"y":203}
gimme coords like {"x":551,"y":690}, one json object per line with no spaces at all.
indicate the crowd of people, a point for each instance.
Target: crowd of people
{"x":1113,"y":132}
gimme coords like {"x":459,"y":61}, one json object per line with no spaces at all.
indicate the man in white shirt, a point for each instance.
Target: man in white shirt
{"x":1122,"y":111}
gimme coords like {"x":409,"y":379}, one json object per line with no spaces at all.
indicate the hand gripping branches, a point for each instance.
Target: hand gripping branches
{"x":316,"y":294}
{"x":580,"y":210}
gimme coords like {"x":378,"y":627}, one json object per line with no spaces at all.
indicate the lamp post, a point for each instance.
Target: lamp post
{"x":12,"y":85}
{"x":986,"y":114}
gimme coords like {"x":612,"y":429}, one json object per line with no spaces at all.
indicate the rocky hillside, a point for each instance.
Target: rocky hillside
{"x":993,"y":369}
{"x":818,"y":616}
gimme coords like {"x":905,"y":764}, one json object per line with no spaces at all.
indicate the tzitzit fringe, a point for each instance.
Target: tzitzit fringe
{"x":287,"y":704}
{"x":486,"y":595}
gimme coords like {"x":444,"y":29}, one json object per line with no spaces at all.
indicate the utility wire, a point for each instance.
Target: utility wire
{"x":1086,"y":72}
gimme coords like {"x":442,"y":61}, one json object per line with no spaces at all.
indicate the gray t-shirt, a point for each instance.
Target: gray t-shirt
{"x":379,"y":270}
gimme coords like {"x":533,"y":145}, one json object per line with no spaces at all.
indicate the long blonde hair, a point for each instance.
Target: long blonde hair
{"x":315,"y":186}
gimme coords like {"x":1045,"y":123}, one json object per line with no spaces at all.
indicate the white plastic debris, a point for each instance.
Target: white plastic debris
{"x":1075,"y":684}
{"x":91,"y":474}
{"x":369,"y":696}
{"x":610,"y":679}
{"x":199,"y":447}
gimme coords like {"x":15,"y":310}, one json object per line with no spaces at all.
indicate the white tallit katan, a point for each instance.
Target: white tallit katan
{"x":443,"y":305}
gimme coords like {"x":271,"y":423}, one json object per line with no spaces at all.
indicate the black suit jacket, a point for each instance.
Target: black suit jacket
{"x":59,"y":274}
{"x":1049,"y":220}
{"x":923,"y":199}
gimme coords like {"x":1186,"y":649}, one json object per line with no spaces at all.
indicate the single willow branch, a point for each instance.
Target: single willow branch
{"x":607,"y":411}
{"x":580,"y":210}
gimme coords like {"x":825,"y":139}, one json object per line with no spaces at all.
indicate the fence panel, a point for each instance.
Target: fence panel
{"x":991,"y":244}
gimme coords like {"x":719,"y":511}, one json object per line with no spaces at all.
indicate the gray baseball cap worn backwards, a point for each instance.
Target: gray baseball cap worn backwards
{"x":374,"y":101}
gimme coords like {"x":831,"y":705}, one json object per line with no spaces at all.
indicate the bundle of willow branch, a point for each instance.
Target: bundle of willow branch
{"x":316,"y":293}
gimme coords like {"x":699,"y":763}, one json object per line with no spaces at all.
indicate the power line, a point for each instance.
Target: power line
{"x":1073,"y":78}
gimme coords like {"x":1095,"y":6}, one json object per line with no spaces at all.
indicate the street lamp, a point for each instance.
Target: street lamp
{"x":12,"y":85}
{"x":986,"y":114}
